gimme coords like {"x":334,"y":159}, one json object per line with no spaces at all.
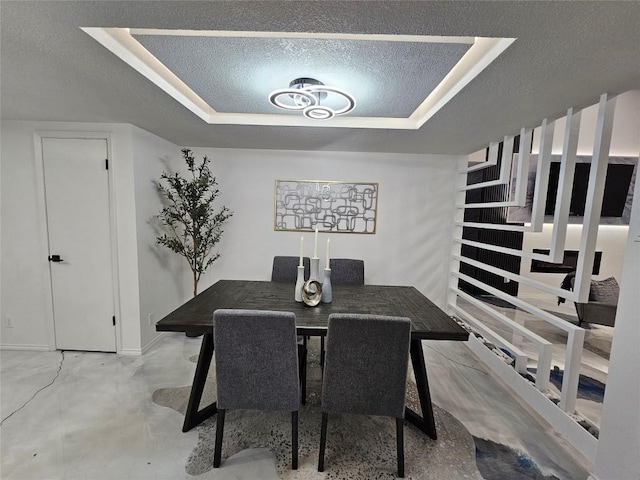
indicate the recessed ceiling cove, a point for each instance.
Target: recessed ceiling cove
{"x":226,"y":77}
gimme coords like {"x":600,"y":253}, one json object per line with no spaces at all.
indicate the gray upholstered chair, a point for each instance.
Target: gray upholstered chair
{"x":285,"y":269}
{"x":256,"y":367}
{"x":602,"y":305}
{"x":346,"y":271}
{"x":366,"y":371}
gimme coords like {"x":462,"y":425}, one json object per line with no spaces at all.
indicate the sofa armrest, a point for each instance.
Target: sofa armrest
{"x":597,"y":312}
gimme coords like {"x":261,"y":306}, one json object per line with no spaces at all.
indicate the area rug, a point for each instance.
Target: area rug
{"x":499,"y":462}
{"x":358,"y":447}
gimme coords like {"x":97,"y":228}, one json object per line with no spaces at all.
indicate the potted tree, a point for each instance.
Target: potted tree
{"x":194,"y":226}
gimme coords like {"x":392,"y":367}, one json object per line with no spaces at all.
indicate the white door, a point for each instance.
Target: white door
{"x":77,"y":197}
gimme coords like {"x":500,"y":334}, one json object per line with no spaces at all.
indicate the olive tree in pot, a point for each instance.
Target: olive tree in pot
{"x":194,"y":226}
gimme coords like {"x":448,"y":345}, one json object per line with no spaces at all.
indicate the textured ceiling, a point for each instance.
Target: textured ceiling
{"x":565,"y":54}
{"x":388,"y":79}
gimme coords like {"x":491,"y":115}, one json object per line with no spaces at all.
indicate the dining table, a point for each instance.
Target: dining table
{"x":428,"y":322}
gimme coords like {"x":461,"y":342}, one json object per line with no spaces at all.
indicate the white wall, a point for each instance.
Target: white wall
{"x":160,"y":272}
{"x":414,"y":224}
{"x":25,"y":267}
{"x":411,"y":246}
{"x":26,"y":290}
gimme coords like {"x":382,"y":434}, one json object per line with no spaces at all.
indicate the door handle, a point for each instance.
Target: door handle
{"x":55,"y":258}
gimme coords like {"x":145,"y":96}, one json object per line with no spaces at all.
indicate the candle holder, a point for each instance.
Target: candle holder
{"x":315,"y":270}
{"x":327,"y":294}
{"x":299,"y":284}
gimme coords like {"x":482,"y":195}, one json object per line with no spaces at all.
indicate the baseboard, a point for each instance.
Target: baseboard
{"x":559,"y":420}
{"x":34,"y":348}
{"x":148,"y":346}
{"x":130,"y":352}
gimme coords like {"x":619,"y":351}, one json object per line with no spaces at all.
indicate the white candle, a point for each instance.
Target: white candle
{"x":328,"y":243}
{"x":315,"y":246}
{"x":301,"y":249}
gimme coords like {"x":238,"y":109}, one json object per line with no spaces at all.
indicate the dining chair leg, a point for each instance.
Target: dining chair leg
{"x":217,"y":454}
{"x":294,"y":440}
{"x":400,"y":442}
{"x":323,"y":441}
{"x":302,"y":366}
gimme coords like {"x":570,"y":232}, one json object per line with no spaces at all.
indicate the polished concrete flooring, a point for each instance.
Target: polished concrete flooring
{"x":77,"y":415}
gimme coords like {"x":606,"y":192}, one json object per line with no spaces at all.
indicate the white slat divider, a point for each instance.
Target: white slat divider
{"x":563,"y":198}
{"x":595,"y":193}
{"x":491,"y":161}
{"x":513,"y":325}
{"x":505,"y":165}
{"x":522,"y":172}
{"x":558,"y":292}
{"x":521,"y":358}
{"x":542,"y":176}
{"x":565,"y":186}
{"x":509,"y":251}
{"x":545,"y":352}
{"x":484,"y":205}
{"x":492,"y":226}
{"x":521,"y":304}
{"x":517,"y":198}
{"x":571,"y":377}
{"x":575,"y":342}
{"x":544,"y":346}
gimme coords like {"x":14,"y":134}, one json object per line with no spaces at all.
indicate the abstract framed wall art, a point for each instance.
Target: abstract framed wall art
{"x":329,"y":206}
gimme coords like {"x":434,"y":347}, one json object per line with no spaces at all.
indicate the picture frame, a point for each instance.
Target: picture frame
{"x":327,"y":205}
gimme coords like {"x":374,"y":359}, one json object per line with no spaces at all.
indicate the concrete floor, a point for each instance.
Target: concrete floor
{"x":78,"y":415}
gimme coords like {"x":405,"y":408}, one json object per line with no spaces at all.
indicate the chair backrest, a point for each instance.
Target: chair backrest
{"x":366,"y":362}
{"x":285,"y":269}
{"x":604,"y":291}
{"x":346,"y":271}
{"x":256,"y":360}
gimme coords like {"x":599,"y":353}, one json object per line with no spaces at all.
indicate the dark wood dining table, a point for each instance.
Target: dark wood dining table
{"x":428,"y":322}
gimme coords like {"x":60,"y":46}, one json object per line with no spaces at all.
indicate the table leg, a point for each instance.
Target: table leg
{"x":426,"y":422}
{"x":193,"y":416}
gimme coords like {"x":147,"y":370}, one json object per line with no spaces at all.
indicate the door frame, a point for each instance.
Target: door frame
{"x":41,"y":213}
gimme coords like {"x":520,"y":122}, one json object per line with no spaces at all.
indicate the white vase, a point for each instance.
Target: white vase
{"x":315,"y":270}
{"x":327,"y":294}
{"x":299,"y":284}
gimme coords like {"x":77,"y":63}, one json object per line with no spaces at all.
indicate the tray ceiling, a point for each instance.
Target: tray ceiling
{"x":199,"y":73}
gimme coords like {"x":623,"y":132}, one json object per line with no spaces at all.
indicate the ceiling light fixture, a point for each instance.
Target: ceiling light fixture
{"x":305,"y":94}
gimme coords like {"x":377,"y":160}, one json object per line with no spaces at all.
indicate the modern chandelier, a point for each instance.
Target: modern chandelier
{"x":305,"y":95}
